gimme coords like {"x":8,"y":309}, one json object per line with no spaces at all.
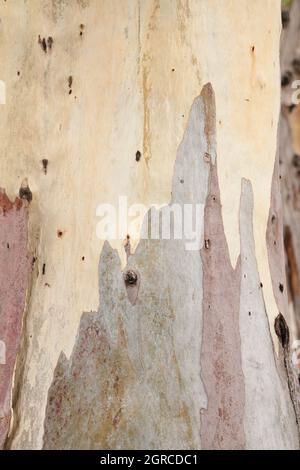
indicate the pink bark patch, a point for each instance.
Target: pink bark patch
{"x":222,"y":421}
{"x":14,"y":269}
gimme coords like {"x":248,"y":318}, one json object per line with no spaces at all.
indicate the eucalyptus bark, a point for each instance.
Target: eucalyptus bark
{"x":151,"y":345}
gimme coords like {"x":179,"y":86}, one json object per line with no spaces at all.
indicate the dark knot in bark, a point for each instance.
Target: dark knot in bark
{"x":130,"y":277}
{"x":282,"y":330}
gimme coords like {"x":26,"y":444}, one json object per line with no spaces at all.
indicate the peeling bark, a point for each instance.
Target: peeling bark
{"x":289,"y":151}
{"x":14,"y":271}
{"x":127,"y":372}
{"x":177,"y":348}
{"x":222,"y":423}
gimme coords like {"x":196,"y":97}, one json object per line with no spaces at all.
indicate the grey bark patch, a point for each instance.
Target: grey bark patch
{"x":269,"y":420}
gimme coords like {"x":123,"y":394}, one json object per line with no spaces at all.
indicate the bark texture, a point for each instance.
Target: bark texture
{"x":14,"y":277}
{"x":289,"y":151}
{"x":163,"y":102}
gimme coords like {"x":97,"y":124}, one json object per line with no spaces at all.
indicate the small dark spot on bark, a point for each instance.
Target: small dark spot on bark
{"x":46,"y":284}
{"x":25,"y":193}
{"x":173,"y":70}
{"x":130,"y":277}
{"x":273,"y":218}
{"x":7,"y":246}
{"x":45,"y":43}
{"x":181,"y":180}
{"x":70,"y":92}
{"x":127,"y":246}
{"x":280,"y":177}
{"x":45,"y":165}
{"x":252,"y":48}
{"x":50,"y":42}
{"x":70,"y":81}
{"x":286,"y":78}
{"x":44,"y":269}
{"x":33,"y":261}
{"x":42,"y":43}
{"x":18,"y":72}
{"x":60,"y":233}
{"x":138,"y":155}
{"x":274,"y":242}
{"x":207,"y":243}
{"x":249,"y":313}
{"x":285,"y":18}
{"x":281,"y":288}
{"x":282,"y":330}
{"x":261,"y":284}
{"x":82,"y":258}
{"x":207,"y":157}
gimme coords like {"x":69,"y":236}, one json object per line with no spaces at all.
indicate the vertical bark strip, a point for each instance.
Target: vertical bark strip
{"x":289,"y":157}
{"x":222,"y":423}
{"x":283,"y":281}
{"x":14,"y":268}
{"x":269,"y":420}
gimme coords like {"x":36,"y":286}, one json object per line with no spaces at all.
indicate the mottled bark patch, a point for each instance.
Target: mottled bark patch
{"x":222,"y":421}
{"x":277,"y":242}
{"x":289,"y":160}
{"x":14,"y":269}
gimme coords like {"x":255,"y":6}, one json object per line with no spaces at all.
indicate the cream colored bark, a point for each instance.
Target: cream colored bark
{"x":88,"y":84}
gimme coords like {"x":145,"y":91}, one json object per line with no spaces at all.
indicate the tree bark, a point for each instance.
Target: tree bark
{"x":165,"y":103}
{"x":289,"y":150}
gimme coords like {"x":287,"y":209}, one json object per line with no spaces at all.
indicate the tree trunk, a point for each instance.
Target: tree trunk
{"x":144,"y":344}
